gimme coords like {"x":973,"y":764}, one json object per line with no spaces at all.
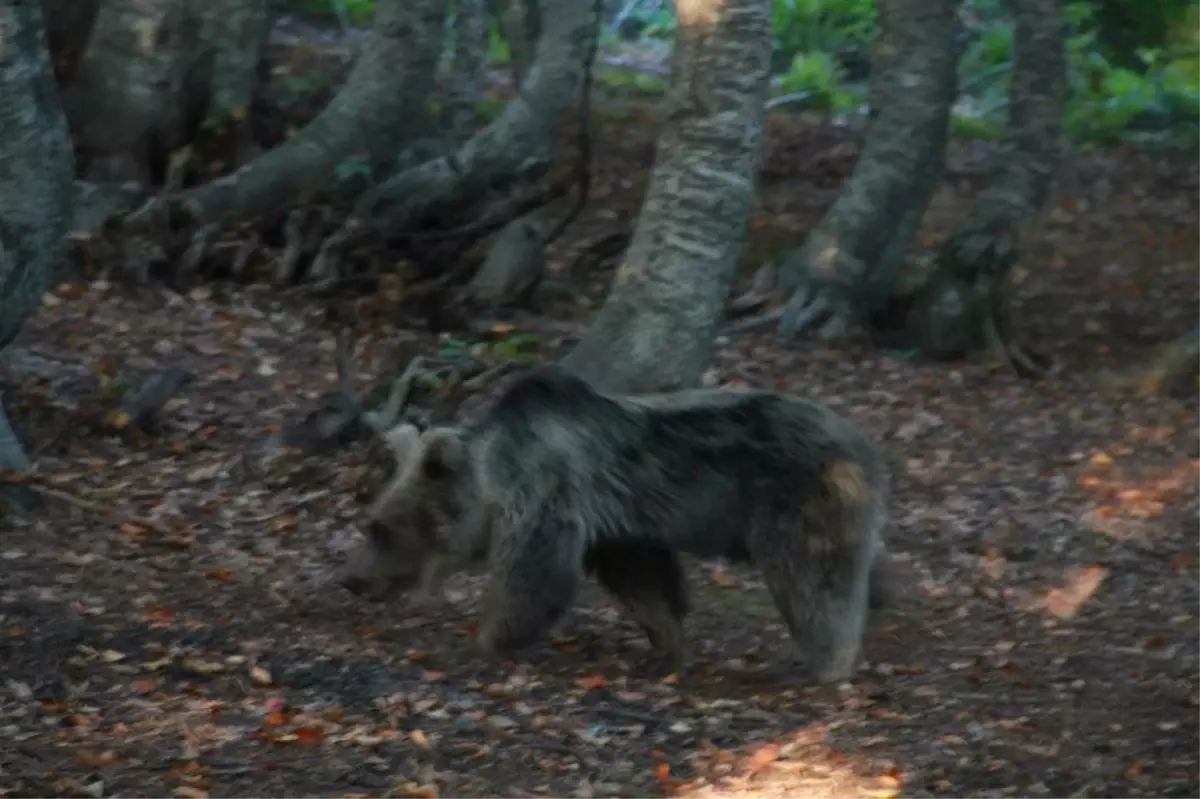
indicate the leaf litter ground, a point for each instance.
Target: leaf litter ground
{"x":165,"y":628}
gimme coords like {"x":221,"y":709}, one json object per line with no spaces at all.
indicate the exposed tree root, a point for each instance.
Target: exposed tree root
{"x":346,"y":415}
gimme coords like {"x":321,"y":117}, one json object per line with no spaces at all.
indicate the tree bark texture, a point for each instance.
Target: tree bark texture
{"x":69,"y":25}
{"x":518,"y":142}
{"x":470,"y":56}
{"x":36,"y":172}
{"x":963,"y":308}
{"x":151,"y":75}
{"x":1022,"y":177}
{"x":655,"y":331}
{"x":835,"y":276}
{"x":382,"y":106}
{"x":520,"y":23}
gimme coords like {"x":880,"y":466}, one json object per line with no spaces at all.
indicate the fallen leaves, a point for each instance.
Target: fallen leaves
{"x":189,"y":792}
{"x":1082,"y":582}
{"x":591,"y":682}
{"x":144,"y":685}
{"x":762,"y":758}
{"x":938,"y":682}
{"x":992,"y":562}
{"x":260,"y":676}
{"x":414,"y":790}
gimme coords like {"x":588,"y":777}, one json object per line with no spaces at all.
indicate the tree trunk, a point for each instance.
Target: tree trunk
{"x":382,"y":105}
{"x":962,"y":308}
{"x":153,"y":75}
{"x":655,"y":332}
{"x":69,"y":25}
{"x":519,"y":142}
{"x":470,"y":58}
{"x":520,"y":23}
{"x":36,"y":170}
{"x":848,"y":262}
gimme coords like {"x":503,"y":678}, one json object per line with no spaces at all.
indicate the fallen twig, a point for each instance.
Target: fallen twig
{"x":112,"y":514}
{"x":291,"y":506}
{"x":753,"y":322}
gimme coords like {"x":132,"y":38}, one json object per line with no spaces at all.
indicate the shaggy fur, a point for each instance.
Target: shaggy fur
{"x":556,"y":480}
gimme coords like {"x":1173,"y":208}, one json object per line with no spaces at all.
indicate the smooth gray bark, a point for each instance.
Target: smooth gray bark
{"x":36,"y":171}
{"x":470,"y":57}
{"x":518,"y":142}
{"x":963,"y":307}
{"x":152,"y":75}
{"x":381,"y":107}
{"x":1030,"y":153}
{"x":835,"y":277}
{"x":655,"y":331}
{"x":520,"y":23}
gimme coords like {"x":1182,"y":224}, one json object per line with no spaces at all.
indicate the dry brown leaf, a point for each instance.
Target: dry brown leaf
{"x":993,"y":562}
{"x":285,"y":522}
{"x":202,"y":667}
{"x":762,"y":757}
{"x":591,"y":682}
{"x":1065,"y":603}
{"x":309,"y":735}
{"x":156,"y":615}
{"x":92,"y":759}
{"x":190,"y":792}
{"x":117,"y":420}
{"x":221,"y":574}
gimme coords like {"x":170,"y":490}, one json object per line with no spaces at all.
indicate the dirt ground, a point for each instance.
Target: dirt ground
{"x":165,"y":629}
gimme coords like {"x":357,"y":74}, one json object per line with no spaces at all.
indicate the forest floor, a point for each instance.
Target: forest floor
{"x":165,"y":629}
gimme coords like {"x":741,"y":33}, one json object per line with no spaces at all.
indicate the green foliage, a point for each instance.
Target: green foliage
{"x":807,"y":25}
{"x":631,"y":80}
{"x":971,"y":126}
{"x":516,"y":347}
{"x":498,"y":51}
{"x":1148,"y":95}
{"x":810,"y":38}
{"x":1134,"y":65}
{"x":1125,"y":27}
{"x":489,"y":108}
{"x":820,"y":80}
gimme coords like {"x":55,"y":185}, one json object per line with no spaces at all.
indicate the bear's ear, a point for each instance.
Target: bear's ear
{"x":404,"y":442}
{"x":444,"y":452}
